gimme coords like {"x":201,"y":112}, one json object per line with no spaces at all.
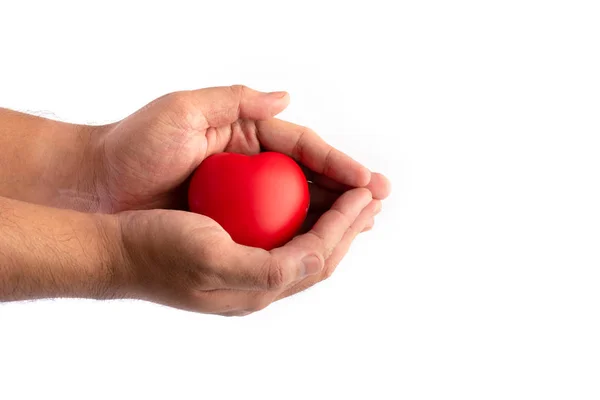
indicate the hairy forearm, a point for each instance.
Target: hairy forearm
{"x":48,"y":253}
{"x":46,"y":162}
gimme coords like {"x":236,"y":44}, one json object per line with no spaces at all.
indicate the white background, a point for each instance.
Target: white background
{"x":481,"y":278}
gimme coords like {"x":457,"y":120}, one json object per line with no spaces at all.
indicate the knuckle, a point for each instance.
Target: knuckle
{"x":307,"y":132}
{"x":298,"y":150}
{"x":178,"y":112}
{"x":178,"y":101}
{"x":275,"y":275}
{"x":317,"y":236}
{"x":342,"y":217}
{"x":238,"y":90}
{"x":328,"y":163}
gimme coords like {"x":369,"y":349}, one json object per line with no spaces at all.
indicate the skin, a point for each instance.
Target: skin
{"x":100,"y":211}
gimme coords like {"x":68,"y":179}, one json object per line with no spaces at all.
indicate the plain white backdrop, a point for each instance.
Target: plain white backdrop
{"x":481,"y":277}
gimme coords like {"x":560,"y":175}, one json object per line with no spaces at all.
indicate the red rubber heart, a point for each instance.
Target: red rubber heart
{"x":260,"y":200}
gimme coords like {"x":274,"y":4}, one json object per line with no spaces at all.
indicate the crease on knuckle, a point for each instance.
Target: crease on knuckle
{"x":344,"y":218}
{"x":250,"y":133}
{"x":275,"y":275}
{"x":298,"y":149}
{"x":327,"y":163}
{"x":320,"y":238}
{"x":237,"y":92}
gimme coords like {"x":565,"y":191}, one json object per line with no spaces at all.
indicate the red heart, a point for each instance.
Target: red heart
{"x":260,"y":200}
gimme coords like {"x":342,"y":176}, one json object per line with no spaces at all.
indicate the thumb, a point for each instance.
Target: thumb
{"x":226,"y":104}
{"x":250,"y":268}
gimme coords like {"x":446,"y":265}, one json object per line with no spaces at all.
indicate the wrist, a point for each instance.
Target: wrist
{"x":77,"y":163}
{"x":115,"y":270}
{"x":47,"y":162}
{"x":49,"y":253}
{"x":87,"y":181}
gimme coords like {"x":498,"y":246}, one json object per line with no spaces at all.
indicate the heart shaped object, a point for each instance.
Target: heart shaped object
{"x":260,"y":200}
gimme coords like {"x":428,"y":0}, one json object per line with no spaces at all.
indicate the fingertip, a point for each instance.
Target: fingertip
{"x":372,"y":209}
{"x":279,"y":95}
{"x":376,"y":207}
{"x":380,"y":186}
{"x":256,"y":105}
{"x":278,"y":102}
{"x":369,"y":225}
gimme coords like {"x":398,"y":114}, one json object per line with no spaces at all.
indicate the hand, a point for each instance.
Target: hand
{"x":143,"y":161}
{"x":173,"y":257}
{"x":188,"y":261}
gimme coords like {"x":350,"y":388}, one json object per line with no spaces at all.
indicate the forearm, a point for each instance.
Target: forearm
{"x":46,"y":162}
{"x":48,"y":253}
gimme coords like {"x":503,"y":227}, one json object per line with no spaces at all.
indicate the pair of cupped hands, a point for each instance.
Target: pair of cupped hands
{"x":143,"y":163}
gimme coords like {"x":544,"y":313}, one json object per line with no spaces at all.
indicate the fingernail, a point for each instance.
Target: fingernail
{"x":310,"y":265}
{"x":277,"y":95}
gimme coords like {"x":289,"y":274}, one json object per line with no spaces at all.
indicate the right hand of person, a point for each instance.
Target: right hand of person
{"x":188,"y":261}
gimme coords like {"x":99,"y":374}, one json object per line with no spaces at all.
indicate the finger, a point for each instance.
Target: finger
{"x":313,"y":216}
{"x":320,"y":198}
{"x":311,"y":219}
{"x":369,"y":225}
{"x":248,"y":268}
{"x":361,"y":222}
{"x":340,"y":251}
{"x":330,"y":184}
{"x":226,"y":104}
{"x":380,"y":186}
{"x":330,"y":228}
{"x":306,"y":147}
{"x":323,"y":181}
